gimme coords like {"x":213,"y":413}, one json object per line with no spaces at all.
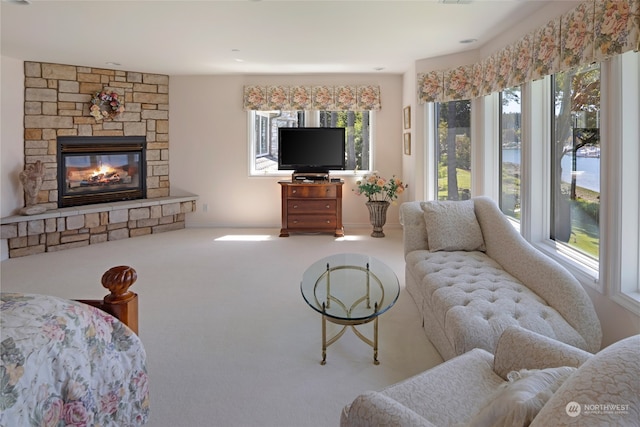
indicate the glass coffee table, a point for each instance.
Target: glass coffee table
{"x":350,"y":290}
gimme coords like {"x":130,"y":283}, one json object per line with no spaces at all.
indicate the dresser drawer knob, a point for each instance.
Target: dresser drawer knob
{"x":294,"y":191}
{"x":328,"y":206}
{"x":295,"y":206}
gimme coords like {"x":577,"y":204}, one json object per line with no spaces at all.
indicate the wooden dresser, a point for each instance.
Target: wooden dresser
{"x":312,"y":207}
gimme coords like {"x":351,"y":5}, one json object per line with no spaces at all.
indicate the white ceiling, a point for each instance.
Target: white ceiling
{"x":251,"y":37}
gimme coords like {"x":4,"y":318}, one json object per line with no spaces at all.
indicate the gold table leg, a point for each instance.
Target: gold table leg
{"x":375,"y":342}
{"x":324,"y":338}
{"x":326,"y":343}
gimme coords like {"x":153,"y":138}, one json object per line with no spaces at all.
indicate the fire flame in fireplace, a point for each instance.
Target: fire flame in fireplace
{"x":98,"y":175}
{"x":103,"y":170}
{"x":104,"y":175}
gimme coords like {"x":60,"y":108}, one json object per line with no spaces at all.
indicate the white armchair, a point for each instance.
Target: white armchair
{"x":474,"y":389}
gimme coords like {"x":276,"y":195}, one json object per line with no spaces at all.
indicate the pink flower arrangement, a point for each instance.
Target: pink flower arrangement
{"x":379,"y":189}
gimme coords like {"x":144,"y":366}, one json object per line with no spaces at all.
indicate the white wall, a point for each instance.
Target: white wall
{"x":209,"y":148}
{"x":11,"y":134}
{"x":413,"y":164}
{"x":11,"y":139}
{"x":537,"y":19}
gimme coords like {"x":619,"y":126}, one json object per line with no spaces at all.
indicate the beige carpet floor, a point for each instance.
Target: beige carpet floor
{"x":229,"y":339}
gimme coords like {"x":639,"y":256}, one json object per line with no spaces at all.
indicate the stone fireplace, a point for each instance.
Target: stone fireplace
{"x":81,"y":209}
{"x":57,"y":102}
{"x":100,"y":169}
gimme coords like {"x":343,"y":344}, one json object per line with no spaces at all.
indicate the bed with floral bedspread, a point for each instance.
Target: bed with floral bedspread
{"x":65,"y":363}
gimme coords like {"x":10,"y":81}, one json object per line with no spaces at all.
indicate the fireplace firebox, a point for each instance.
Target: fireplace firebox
{"x":100,"y":169}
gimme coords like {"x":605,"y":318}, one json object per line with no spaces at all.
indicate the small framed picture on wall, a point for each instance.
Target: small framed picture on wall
{"x":407,"y":117}
{"x":407,"y":143}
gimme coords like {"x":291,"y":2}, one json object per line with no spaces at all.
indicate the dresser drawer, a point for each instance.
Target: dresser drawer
{"x":311,"y":191}
{"x":311,"y":206}
{"x":311,"y":221}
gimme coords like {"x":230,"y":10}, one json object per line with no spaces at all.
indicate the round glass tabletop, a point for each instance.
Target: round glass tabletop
{"x":350,"y":287}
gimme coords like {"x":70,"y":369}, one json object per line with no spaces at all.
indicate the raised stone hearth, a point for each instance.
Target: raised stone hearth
{"x":66,"y":228}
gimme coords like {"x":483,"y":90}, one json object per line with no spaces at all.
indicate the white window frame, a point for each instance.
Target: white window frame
{"x":431,"y":140}
{"x":535,"y":221}
{"x":485,"y":126}
{"x":621,"y":267}
{"x":617,"y":272}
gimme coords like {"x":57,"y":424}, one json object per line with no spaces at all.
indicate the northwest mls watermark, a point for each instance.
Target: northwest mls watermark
{"x":574,"y":409}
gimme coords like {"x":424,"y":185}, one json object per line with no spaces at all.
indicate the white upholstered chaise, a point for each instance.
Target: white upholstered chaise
{"x":470,"y":289}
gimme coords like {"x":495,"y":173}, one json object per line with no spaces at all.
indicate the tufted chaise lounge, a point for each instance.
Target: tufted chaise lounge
{"x":467,"y":298}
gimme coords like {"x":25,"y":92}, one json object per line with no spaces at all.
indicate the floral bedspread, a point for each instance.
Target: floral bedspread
{"x":68,"y":364}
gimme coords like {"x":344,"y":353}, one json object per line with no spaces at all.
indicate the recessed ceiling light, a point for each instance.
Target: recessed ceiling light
{"x":114,"y":64}
{"x":468,"y":41}
{"x":21,"y":2}
{"x":379,"y":68}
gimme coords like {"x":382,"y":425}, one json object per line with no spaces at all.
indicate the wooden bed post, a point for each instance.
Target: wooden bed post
{"x":121,"y":302}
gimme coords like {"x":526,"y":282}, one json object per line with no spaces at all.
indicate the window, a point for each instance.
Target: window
{"x":263,"y":136}
{"x":453,"y":150}
{"x":510,"y":151}
{"x":624,"y":210}
{"x":575,"y":160}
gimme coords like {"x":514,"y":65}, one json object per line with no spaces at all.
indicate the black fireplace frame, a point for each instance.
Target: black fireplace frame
{"x":101,"y":145}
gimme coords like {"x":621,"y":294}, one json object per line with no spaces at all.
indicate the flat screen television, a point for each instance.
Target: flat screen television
{"x":311,"y":149}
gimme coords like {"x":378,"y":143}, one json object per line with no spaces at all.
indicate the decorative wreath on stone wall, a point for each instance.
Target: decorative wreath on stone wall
{"x":106,"y":105}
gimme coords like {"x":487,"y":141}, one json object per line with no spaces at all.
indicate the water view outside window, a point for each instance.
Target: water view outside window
{"x":510,"y":151}
{"x":575,"y":159}
{"x":453,"y":151}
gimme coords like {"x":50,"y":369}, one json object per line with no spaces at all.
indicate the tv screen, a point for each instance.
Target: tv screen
{"x":311,"y":149}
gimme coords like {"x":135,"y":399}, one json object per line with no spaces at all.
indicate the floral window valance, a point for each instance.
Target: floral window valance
{"x":593,"y":31}
{"x":328,"y":98}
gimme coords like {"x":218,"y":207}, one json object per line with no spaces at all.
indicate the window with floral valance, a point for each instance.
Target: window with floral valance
{"x":593,"y":31}
{"x":322,"y":97}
